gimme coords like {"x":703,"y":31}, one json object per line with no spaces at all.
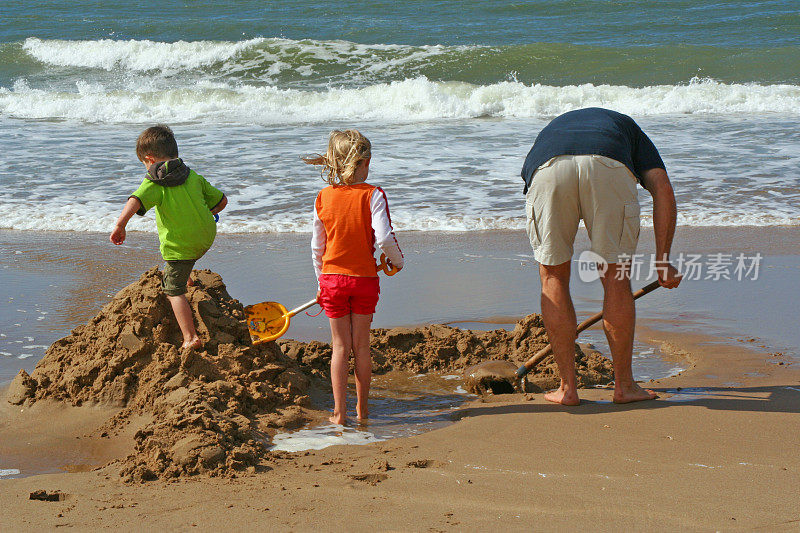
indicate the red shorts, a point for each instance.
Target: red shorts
{"x":341,"y":295}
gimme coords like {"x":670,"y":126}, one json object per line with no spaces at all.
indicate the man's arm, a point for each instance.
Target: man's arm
{"x":665,"y":215}
{"x":131,"y":207}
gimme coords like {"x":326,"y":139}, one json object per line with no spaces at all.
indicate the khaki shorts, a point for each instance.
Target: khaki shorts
{"x":599,"y":190}
{"x":176,"y":274}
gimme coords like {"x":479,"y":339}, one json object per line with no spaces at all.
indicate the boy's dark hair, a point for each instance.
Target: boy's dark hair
{"x":157,"y":141}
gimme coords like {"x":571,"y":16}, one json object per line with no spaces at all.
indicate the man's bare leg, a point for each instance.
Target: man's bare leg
{"x":619,"y":320}
{"x":560,"y":322}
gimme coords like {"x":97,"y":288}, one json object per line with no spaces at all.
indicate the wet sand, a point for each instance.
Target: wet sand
{"x":717,"y":450}
{"x":51,"y":437}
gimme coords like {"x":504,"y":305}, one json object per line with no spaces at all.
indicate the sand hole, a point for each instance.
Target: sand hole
{"x":499,"y":386}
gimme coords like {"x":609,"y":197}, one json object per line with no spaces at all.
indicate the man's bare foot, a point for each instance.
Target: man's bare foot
{"x":194,"y":342}
{"x":563,"y":396}
{"x":632,"y":393}
{"x":337,"y":419}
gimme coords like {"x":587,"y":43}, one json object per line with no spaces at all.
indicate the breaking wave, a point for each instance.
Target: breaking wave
{"x":410,"y":100}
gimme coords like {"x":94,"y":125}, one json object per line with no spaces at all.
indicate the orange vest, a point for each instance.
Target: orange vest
{"x":350,"y":241}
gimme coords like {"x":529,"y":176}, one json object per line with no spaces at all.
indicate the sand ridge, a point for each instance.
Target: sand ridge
{"x":441,"y":348}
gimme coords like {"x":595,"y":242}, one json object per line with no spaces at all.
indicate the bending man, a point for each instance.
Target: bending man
{"x":585,"y":165}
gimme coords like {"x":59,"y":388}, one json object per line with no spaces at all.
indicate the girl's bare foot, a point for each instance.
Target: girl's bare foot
{"x":563,"y":396}
{"x":337,"y":419}
{"x":632,"y":393}
{"x":194,"y":342}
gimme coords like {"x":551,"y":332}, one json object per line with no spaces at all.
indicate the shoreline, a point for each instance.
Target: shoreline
{"x":55,"y":281}
{"x":720,"y":439}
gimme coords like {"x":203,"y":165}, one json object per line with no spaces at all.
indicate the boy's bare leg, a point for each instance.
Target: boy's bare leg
{"x":619,"y":319}
{"x":363,"y":362}
{"x":559,"y":320}
{"x":183,"y":313}
{"x":341,"y":340}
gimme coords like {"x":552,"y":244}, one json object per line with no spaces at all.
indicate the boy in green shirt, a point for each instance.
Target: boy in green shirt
{"x":186,"y":205}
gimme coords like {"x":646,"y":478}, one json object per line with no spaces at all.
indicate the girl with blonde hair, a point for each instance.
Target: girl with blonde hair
{"x":350,"y":218}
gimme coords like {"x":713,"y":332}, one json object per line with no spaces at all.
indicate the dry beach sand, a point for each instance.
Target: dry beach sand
{"x":717,"y":450}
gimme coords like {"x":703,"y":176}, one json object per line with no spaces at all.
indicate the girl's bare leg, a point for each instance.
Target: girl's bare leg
{"x":341,"y":340}
{"x":363,"y":362}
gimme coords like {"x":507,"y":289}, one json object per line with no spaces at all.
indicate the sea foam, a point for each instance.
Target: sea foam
{"x":134,"y":55}
{"x":305,"y":55}
{"x":410,"y":100}
{"x":79,"y":218}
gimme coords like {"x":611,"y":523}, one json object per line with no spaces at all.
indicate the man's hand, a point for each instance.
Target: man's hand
{"x":118,"y":235}
{"x":668,"y":275}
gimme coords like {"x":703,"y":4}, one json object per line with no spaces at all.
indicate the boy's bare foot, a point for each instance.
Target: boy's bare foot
{"x":194,"y":342}
{"x":563,"y":396}
{"x":337,"y":419}
{"x":632,"y":393}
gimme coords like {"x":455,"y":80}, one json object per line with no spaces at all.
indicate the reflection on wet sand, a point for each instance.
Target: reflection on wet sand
{"x":55,"y":281}
{"x":401,"y":405}
{"x":90,"y":272}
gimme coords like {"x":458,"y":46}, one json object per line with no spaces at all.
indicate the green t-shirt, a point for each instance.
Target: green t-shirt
{"x":186,"y":227}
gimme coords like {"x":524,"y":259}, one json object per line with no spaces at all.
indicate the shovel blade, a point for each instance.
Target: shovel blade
{"x":495,"y":377}
{"x":266,"y":321}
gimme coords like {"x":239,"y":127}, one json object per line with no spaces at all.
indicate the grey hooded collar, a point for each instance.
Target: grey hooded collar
{"x":168,"y":173}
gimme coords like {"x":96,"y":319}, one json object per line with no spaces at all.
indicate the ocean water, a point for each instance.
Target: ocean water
{"x":451,"y":93}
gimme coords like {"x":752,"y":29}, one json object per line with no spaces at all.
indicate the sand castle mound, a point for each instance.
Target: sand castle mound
{"x":441,"y":348}
{"x":205,"y":410}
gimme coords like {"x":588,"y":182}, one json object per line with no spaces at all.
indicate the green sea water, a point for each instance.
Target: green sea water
{"x":631,"y":43}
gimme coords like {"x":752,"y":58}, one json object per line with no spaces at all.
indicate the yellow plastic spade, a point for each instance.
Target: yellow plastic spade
{"x":268,"y":321}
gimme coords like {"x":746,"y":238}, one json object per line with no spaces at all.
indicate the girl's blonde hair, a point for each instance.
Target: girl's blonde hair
{"x":346,"y":149}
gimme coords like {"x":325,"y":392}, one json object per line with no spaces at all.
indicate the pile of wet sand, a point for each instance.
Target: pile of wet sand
{"x":206,"y":410}
{"x":440,"y":348}
{"x":212,"y":410}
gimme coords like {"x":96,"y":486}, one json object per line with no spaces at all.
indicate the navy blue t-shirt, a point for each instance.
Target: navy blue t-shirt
{"x":593,"y":131}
